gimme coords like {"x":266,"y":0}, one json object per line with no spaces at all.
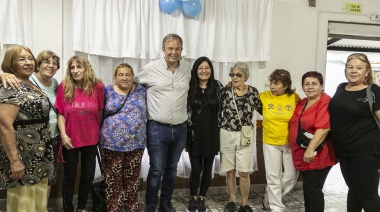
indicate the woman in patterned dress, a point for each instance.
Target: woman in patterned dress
{"x":26,"y":151}
{"x":123,"y":139}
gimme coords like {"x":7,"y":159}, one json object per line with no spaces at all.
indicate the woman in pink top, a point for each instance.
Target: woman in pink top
{"x":80,"y":101}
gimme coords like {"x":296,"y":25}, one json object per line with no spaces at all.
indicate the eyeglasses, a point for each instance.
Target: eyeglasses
{"x":48,"y":62}
{"x":238,"y":75}
{"x":23,"y":59}
{"x":280,"y":72}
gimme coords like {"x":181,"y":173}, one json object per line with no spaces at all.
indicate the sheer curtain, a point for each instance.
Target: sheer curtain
{"x":225,"y":31}
{"x":11,"y":22}
{"x":112,"y":32}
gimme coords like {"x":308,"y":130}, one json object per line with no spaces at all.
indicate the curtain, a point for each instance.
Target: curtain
{"x":11,"y":22}
{"x":225,"y":31}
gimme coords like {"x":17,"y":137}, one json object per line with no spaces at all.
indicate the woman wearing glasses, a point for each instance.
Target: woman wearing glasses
{"x":356,"y":135}
{"x":47,"y":64}
{"x":278,"y":107}
{"x":238,"y":104}
{"x":26,"y":152}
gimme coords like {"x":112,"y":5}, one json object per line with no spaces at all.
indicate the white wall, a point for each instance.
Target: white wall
{"x":299,"y":35}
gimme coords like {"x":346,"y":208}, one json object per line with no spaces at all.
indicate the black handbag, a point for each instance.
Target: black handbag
{"x":98,"y":196}
{"x":98,"y":190}
{"x":304,"y":137}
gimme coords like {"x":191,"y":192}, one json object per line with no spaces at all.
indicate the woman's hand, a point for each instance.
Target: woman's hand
{"x":66,"y":142}
{"x":309,"y":154}
{"x":11,"y":80}
{"x":17,"y":170}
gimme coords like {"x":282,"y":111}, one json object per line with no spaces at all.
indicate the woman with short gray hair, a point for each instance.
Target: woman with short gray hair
{"x":238,"y":104}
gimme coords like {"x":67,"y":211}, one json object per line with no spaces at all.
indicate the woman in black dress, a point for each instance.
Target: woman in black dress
{"x":203,"y":107}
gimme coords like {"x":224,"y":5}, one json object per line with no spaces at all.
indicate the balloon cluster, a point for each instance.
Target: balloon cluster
{"x":191,"y":8}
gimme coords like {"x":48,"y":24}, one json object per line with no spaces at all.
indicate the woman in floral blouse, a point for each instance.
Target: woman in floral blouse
{"x":123,"y":139}
{"x":234,"y":157}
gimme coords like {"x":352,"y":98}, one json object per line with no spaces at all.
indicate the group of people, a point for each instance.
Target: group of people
{"x":168,"y":106}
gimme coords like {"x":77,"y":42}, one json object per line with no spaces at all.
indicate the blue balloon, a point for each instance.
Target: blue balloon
{"x":192,"y":8}
{"x":169,"y":6}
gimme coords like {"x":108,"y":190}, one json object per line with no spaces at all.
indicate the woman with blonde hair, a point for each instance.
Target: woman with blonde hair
{"x":355,"y":134}
{"x":80,"y":101}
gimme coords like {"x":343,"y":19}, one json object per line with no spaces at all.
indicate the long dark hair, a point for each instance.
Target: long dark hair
{"x":195,"y":93}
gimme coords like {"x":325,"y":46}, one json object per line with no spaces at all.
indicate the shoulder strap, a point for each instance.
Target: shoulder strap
{"x":299,"y":119}
{"x":121,"y":106}
{"x":370,"y":102}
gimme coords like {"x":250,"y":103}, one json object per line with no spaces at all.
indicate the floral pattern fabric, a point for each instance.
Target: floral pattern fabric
{"x":125,"y":130}
{"x":32,"y":136}
{"x":245,"y":103}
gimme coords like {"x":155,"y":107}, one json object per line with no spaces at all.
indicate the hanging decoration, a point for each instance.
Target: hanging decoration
{"x":170,"y":6}
{"x":191,"y":8}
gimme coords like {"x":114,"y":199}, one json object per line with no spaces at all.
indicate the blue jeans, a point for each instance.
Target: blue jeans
{"x":165,"y":145}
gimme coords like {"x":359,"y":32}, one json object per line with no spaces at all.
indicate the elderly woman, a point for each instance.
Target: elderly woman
{"x":123,"y":139}
{"x":26,"y":151}
{"x":313,"y":163}
{"x":278,"y":107}
{"x":238,"y":104}
{"x":203,"y":107}
{"x":79,"y":102}
{"x":355,"y":134}
{"x":47,"y":64}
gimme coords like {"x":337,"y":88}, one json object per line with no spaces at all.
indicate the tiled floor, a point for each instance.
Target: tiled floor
{"x":335,"y":195}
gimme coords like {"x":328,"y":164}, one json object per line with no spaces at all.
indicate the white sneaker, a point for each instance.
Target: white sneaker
{"x":265,"y":199}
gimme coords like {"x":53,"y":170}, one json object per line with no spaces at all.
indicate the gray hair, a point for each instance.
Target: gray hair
{"x":171,"y":36}
{"x":242,"y":66}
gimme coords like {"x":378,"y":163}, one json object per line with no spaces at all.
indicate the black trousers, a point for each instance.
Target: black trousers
{"x":313,"y":181}
{"x":362,"y":179}
{"x":200,"y":175}
{"x":71,"y":157}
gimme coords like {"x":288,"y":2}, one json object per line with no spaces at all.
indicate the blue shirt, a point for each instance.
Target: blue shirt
{"x":126,"y":130}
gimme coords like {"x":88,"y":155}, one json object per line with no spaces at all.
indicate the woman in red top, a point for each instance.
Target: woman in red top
{"x":314,"y":164}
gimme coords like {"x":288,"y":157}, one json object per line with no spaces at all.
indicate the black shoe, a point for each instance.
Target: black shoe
{"x":245,"y":208}
{"x":166,"y":206}
{"x":192,"y":206}
{"x":230,"y":207}
{"x":150,"y":208}
{"x":201,"y":204}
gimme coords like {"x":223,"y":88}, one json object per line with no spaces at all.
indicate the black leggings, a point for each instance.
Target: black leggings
{"x":200,"y":165}
{"x":88,"y":154}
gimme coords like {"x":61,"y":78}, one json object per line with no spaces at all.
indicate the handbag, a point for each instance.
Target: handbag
{"x":246,"y":131}
{"x":304,"y":137}
{"x":98,"y":194}
{"x":370,"y":102}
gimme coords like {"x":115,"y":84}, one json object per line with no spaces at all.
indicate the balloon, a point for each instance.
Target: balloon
{"x":192,"y":8}
{"x":169,"y":6}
